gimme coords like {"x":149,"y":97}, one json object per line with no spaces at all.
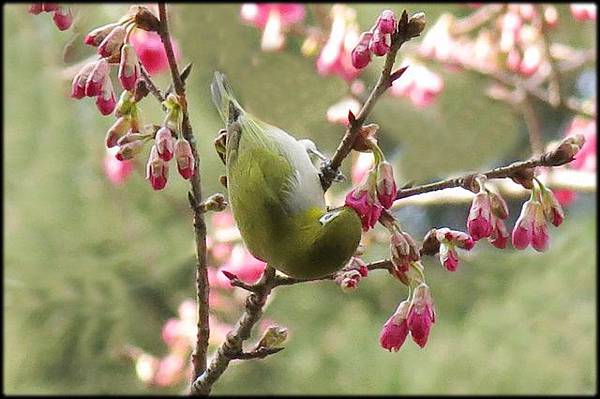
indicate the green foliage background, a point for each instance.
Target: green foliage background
{"x":90,"y":267}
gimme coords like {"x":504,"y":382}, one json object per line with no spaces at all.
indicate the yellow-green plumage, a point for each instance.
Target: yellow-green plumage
{"x":276,"y":196}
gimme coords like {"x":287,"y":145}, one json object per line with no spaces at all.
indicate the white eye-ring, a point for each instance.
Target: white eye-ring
{"x":329,"y":216}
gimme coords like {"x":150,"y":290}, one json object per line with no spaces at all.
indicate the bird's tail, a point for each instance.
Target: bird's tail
{"x":224,"y":99}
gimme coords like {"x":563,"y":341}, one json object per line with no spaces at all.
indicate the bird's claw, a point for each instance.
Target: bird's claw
{"x":221,"y":144}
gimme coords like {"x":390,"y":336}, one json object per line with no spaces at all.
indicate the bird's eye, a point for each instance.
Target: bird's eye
{"x":328,"y":217}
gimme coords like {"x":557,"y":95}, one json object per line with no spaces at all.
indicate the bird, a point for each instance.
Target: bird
{"x":276,"y":196}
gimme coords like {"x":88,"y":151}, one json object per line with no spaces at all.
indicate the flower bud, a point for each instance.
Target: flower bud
{"x":79,"y":81}
{"x":400,"y":251}
{"x":431,"y":244}
{"x":386,"y":186}
{"x":117,"y":130}
{"x":380,"y":43}
{"x":522,"y":232}
{"x":416,"y":24}
{"x":454,"y":237}
{"x":35,"y":8}
{"x":128,"y":67}
{"x":106,"y":101}
{"x":539,"y":233}
{"x":215,"y":203}
{"x":499,"y":236}
{"x":566,"y":150}
{"x":157,"y":170}
{"x":96,"y":36}
{"x":395,"y":330}
{"x":478,"y":222}
{"x":97,"y":78}
{"x":165,"y":144}
{"x":126,"y":103}
{"x":367,"y":207}
{"x":421,"y":315}
{"x":386,"y":22}
{"x":366,"y":138}
{"x":129,"y":150}
{"x":112,"y":42}
{"x":552,"y":209}
{"x":349,"y":280}
{"x":361,"y":55}
{"x":273,"y":337}
{"x":130,"y":137}
{"x":184,"y":158}
{"x":63,"y":18}
{"x":448,"y":257}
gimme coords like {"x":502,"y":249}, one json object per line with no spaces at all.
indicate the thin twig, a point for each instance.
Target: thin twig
{"x":202,"y":286}
{"x":150,"y":84}
{"x":330,"y":170}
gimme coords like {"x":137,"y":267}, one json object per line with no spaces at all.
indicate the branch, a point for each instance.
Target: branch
{"x":231,"y":348}
{"x":402,"y":35}
{"x":515,"y":170}
{"x":202,"y":287}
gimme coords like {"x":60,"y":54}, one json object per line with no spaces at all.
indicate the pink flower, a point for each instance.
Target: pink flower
{"x":171,"y":331}
{"x":106,"y":101}
{"x":157,"y":170}
{"x":273,"y":18}
{"x":170,"y":370}
{"x":386,"y":22}
{"x":361,"y":166}
{"x":112,"y":42}
{"x":419,"y":84}
{"x":531,"y":227}
{"x":438,"y":43}
{"x":63,"y":18}
{"x":367,"y":207}
{"x":386,"y":185}
{"x":97,"y":78}
{"x":583,"y":11}
{"x":116,"y":171}
{"x":499,"y":236}
{"x":448,"y":257}
{"x":184,"y":158}
{"x":150,"y":51}
{"x":79,"y":81}
{"x":335,"y":57}
{"x":96,"y":36}
{"x":380,"y":43}
{"x":394,"y":331}
{"x":165,"y":143}
{"x":245,"y":266}
{"x":552,"y":209}
{"x":338,"y":112}
{"x":479,"y":221}
{"x":128,"y":67}
{"x":421,"y":315}
{"x":361,"y":55}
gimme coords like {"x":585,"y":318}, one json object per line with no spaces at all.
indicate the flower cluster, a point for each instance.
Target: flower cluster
{"x":62,"y":16}
{"x":377,"y":40}
{"x":273,"y":19}
{"x":446,"y":241}
{"x":414,"y":315}
{"x":378,"y":190}
{"x":486,"y":217}
{"x":351,"y":274}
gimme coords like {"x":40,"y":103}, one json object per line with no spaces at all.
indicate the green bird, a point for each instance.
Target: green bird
{"x":276,"y":196}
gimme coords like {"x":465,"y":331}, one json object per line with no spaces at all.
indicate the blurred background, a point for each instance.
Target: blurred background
{"x":92,"y":267}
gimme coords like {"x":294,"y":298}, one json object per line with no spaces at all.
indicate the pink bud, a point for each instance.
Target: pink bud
{"x":128,"y":67}
{"x":79,"y":81}
{"x":539,"y":234}
{"x":380,"y":43}
{"x":421,"y":315}
{"x":361,"y":55}
{"x":63,"y":18}
{"x":165,"y":143}
{"x":116,"y":171}
{"x":35,"y":8}
{"x":454,"y":238}
{"x":112,"y":42}
{"x":498,"y":205}
{"x":552,"y":209}
{"x":106,"y":101}
{"x":522,"y":232}
{"x":386,"y":23}
{"x":184,"y":158}
{"x":365,"y":206}
{"x":448,"y":257}
{"x":48,"y":7}
{"x":97,"y":78}
{"x":118,"y":129}
{"x":157,"y":170}
{"x":386,"y":186}
{"x":96,"y":36}
{"x":478,"y":223}
{"x":499,"y":236}
{"x":532,"y":59}
{"x":394,"y":331}
{"x":400,"y":252}
{"x":129,"y":150}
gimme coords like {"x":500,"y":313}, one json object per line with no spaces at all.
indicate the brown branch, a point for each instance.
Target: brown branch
{"x":515,"y":170}
{"x":202,"y":287}
{"x":259,"y":353}
{"x":402,"y":35}
{"x":231,"y":348}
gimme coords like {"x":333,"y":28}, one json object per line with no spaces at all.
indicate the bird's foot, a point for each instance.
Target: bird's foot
{"x":221,"y":144}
